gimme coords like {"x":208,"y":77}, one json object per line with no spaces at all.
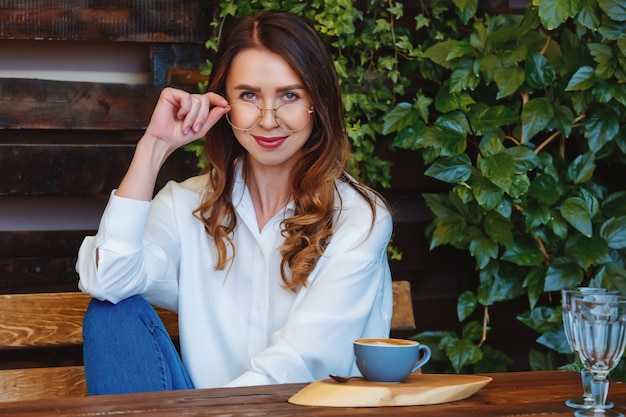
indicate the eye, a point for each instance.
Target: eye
{"x":290,"y":97}
{"x":247,"y":96}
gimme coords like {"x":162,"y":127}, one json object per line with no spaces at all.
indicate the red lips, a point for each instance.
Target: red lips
{"x":270,"y":143}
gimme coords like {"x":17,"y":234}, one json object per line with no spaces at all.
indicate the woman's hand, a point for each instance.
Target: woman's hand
{"x":180,"y":117}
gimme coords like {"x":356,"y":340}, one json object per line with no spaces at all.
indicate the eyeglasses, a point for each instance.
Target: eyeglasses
{"x":291,"y":116}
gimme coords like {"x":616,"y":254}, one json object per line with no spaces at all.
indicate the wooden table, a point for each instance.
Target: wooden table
{"x":509,"y":394}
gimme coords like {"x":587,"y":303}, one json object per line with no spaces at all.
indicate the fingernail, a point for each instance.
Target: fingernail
{"x":197,"y":127}
{"x":186,"y":130}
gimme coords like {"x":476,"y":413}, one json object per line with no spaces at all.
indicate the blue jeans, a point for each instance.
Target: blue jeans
{"x":127,"y":349}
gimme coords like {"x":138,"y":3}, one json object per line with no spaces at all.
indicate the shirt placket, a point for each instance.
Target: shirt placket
{"x":262,"y":278}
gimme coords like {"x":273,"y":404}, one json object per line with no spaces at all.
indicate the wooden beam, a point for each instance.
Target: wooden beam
{"x":179,"y":21}
{"x":180,"y":59}
{"x":44,"y":104}
{"x":77,"y":170}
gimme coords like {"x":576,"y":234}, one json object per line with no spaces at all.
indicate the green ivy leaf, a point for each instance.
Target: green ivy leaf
{"x":399,"y":117}
{"x":505,"y":207}
{"x":499,"y":281}
{"x":499,"y":229}
{"x":533,"y":282}
{"x":536,"y":115}
{"x":558,"y":225}
{"x":538,"y":72}
{"x":525,"y":158}
{"x":508,"y":78}
{"x":439,"y":52}
{"x":589,"y":15}
{"x":612,"y":275}
{"x":462,"y":352}
{"x":613,"y":231}
{"x":576,"y":212}
{"x":445,"y":205}
{"x":466,"y":305}
{"x":466,"y":9}
{"x":491,"y":144}
{"x":472,"y":331}
{"x":562,"y":273}
{"x":583,"y":79}
{"x":489,"y":118}
{"x":459,"y":50}
{"x":454,"y":121}
{"x":615,"y":9}
{"x":493,"y":361}
{"x":433,"y":340}
{"x":542,"y":361}
{"x":456,"y":169}
{"x":555,"y":340}
{"x":524,"y":252}
{"x":536,"y":215}
{"x":586,"y":250}
{"x":540,"y":319}
{"x":603,"y":55}
{"x":612,"y":29}
{"x":483,"y":249}
{"x":463,"y":77}
{"x":487,"y":194}
{"x":448,"y":230}
{"x":582,"y":168}
{"x":412,"y":138}
{"x":554,"y":13}
{"x":521,"y":184}
{"x":422,"y":103}
{"x":544,"y":189}
{"x":563,"y":119}
{"x":601,"y":127}
{"x":499,"y":169}
{"x":449,"y":142}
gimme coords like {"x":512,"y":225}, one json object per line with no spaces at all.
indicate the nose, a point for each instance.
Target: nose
{"x":268,"y":118}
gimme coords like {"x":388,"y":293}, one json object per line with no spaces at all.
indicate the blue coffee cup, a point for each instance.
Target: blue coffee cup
{"x":389,"y":360}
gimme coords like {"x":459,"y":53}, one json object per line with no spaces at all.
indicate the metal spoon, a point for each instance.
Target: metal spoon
{"x":341,"y":379}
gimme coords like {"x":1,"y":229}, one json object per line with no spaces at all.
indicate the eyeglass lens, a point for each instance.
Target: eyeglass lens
{"x":291,"y":116}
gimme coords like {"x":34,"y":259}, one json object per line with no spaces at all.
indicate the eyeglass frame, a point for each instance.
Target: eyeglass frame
{"x":310,"y":111}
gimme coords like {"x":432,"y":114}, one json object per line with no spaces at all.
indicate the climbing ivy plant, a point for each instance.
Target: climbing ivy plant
{"x":530,"y":110}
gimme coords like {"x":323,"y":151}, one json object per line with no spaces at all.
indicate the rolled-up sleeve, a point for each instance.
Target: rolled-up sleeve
{"x":120,"y":261}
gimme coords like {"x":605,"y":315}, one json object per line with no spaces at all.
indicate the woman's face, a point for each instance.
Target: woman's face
{"x":263,"y":79}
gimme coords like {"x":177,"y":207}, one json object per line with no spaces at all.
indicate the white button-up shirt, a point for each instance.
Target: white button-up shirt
{"x":239,"y":326}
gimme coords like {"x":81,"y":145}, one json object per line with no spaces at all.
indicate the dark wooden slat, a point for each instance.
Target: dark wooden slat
{"x":177,"y":58}
{"x":180,"y":76}
{"x":45,"y":104}
{"x":64,"y":169}
{"x":18,"y":274}
{"x":113,"y":20}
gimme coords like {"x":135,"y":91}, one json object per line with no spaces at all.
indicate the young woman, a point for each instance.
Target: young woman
{"x":274,"y":258}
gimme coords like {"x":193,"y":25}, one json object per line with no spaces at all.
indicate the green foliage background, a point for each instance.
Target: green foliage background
{"x":520,"y":114}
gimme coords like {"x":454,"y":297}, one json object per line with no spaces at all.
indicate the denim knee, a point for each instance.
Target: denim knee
{"x":103,"y":315}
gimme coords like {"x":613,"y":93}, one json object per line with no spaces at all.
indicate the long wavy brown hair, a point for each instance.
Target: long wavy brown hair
{"x":325,"y":156}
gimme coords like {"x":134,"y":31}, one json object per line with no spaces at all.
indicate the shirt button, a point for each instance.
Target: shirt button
{"x":259,"y":306}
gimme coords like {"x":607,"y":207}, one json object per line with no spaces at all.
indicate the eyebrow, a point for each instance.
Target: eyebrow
{"x":280,"y":89}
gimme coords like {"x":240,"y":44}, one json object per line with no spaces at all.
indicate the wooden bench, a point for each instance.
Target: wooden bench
{"x":29,"y":321}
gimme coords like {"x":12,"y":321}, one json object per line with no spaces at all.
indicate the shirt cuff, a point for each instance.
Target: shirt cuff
{"x":128,"y":220}
{"x":248,"y":379}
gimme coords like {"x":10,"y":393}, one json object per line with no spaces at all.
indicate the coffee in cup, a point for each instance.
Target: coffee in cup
{"x":389,"y":360}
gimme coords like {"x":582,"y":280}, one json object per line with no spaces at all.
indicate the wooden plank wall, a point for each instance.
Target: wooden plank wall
{"x":65,"y":145}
